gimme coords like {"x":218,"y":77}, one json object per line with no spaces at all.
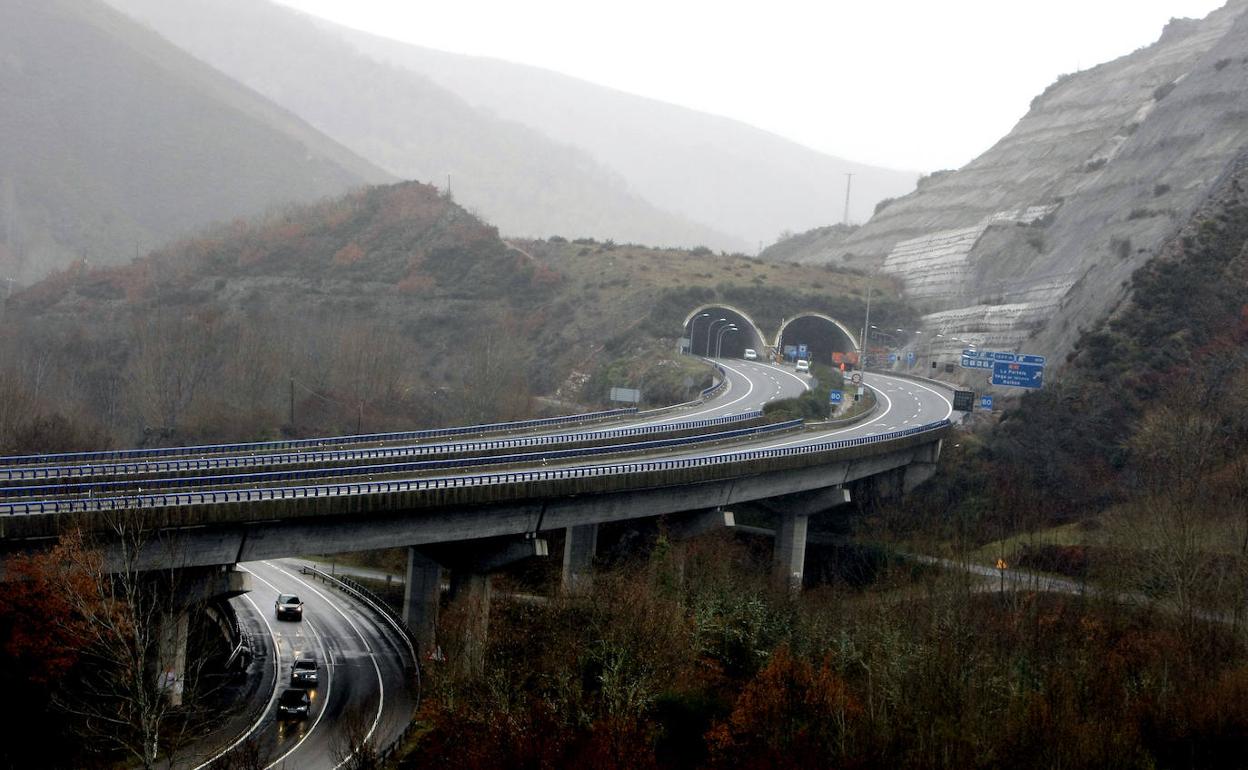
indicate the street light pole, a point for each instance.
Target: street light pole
{"x":719,"y":339}
{"x":693,"y":326}
{"x":931,"y":341}
{"x":866,"y":330}
{"x":707,"y":350}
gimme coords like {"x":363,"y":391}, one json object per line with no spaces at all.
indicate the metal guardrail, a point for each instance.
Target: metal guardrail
{"x":347,"y":455}
{"x":266,"y":477}
{"x":449,"y":482}
{"x":496,"y":427}
{"x":377,"y":605}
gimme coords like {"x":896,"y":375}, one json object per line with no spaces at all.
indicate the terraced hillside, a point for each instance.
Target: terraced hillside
{"x":1036,"y":238}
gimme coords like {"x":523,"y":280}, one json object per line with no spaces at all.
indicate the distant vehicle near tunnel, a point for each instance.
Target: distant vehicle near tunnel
{"x":824,"y":339}
{"x":729,"y":332}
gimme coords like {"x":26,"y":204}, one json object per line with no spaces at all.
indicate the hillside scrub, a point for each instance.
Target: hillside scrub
{"x":391,"y":308}
{"x":1129,"y":471}
{"x":694,"y":658}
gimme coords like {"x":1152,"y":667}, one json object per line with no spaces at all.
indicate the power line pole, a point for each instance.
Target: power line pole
{"x":849,"y":178}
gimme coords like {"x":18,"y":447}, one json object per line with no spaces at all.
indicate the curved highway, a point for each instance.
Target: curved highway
{"x":363,"y":693}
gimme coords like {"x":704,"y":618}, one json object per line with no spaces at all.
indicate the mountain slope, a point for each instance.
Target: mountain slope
{"x":112,"y":140}
{"x":521,"y":181}
{"x":730,"y":175}
{"x":390,"y":306}
{"x":1038,"y":236}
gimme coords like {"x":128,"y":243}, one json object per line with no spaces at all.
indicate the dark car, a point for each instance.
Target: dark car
{"x":288,"y":606}
{"x":293,"y":704}
{"x":304,"y":671}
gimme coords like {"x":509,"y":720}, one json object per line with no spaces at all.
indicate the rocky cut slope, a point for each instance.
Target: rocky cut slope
{"x":1038,"y":236}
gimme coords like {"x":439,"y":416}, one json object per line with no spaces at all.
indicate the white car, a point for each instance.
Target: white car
{"x":803,"y":365}
{"x":751,"y":354}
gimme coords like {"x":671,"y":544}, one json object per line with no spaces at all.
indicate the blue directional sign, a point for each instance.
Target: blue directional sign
{"x":985,"y":402}
{"x":801,"y":350}
{"x":910,"y":357}
{"x":1017,"y":375}
{"x":892,"y":358}
{"x":1023,"y":358}
{"x":835,"y":396}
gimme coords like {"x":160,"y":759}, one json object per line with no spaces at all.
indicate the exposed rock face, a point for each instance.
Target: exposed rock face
{"x":1036,"y":237}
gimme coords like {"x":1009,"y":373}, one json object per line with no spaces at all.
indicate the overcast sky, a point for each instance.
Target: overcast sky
{"x":913,"y":84}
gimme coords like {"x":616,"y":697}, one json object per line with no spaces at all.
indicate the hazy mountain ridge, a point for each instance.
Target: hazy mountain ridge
{"x":112,"y":141}
{"x":1035,"y":238}
{"x":733,"y":176}
{"x":520,"y":180}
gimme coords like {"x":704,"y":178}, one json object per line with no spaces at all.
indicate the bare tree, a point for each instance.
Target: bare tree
{"x":132,"y":691}
{"x":171,"y":360}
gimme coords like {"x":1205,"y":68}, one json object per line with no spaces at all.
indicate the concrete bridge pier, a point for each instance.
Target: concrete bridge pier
{"x":789,"y":559}
{"x":171,"y":655}
{"x":579,"y":547}
{"x":185,"y":590}
{"x":422,"y":594}
{"x":793,"y":514}
{"x":470,"y":564}
{"x":923,"y":467}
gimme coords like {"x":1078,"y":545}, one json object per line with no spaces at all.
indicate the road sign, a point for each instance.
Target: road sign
{"x":626,"y":395}
{"x":790,"y":352}
{"x":892,"y":358}
{"x":835,"y":396}
{"x":963,"y":400}
{"x":1018,"y":375}
{"x":856,"y":377}
{"x":976,"y":363}
{"x":910,"y":358}
{"x":801,"y":350}
{"x":985,"y":402}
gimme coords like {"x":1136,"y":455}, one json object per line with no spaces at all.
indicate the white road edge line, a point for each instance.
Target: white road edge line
{"x":277,"y":676}
{"x":372,"y":657}
{"x":329,"y":686}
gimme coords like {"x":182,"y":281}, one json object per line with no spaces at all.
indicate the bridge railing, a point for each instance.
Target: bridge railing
{"x":451,"y":482}
{"x":392,"y":619}
{"x":348,"y":455}
{"x":273,"y":477}
{"x":264,"y":446}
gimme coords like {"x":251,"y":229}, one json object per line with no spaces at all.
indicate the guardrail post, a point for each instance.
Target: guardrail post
{"x":579,"y":546}
{"x":422,"y":594}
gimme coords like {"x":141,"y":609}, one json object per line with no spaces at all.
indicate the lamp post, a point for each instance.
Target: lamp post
{"x":693,"y":328}
{"x":707,"y":350}
{"x":719,"y":338}
{"x":931,"y":341}
{"x":866,"y":330}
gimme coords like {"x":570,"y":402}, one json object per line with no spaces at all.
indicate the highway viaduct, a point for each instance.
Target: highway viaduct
{"x":473,"y":520}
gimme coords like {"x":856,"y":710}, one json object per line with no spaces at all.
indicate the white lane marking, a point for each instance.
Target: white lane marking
{"x":948,"y":403}
{"x":381,"y":687}
{"x":277,"y":676}
{"x":328,"y":686}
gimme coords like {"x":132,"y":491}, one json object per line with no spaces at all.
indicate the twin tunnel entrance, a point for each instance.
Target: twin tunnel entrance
{"x":725,"y":331}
